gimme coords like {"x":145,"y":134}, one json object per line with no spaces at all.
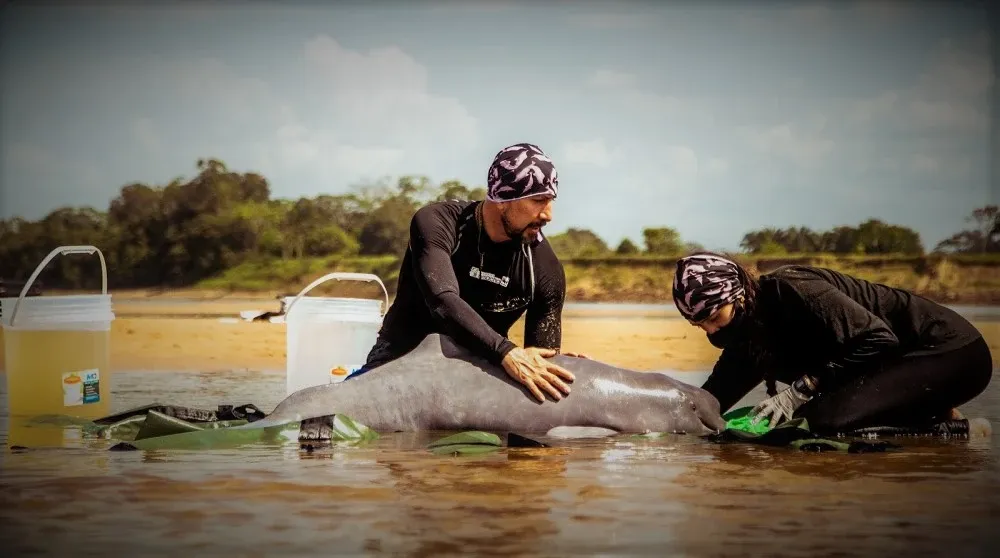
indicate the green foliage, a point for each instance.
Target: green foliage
{"x":627,"y":248}
{"x":222,"y":229}
{"x":663,"y":241}
{"x":575,"y":243}
{"x":871,"y":237}
{"x":985,"y":237}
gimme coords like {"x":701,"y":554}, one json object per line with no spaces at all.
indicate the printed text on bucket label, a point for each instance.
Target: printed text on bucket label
{"x":81,"y":387}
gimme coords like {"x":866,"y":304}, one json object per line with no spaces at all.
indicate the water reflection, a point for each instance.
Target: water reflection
{"x":917,"y":460}
{"x":676,"y":495}
{"x":767,"y":500}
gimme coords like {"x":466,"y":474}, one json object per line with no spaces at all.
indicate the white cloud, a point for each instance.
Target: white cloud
{"x":681,"y":161}
{"x":382,"y":97}
{"x":951,"y":95}
{"x":715,"y":166}
{"x":630,"y":93}
{"x":145,"y":133}
{"x":357,"y":115}
{"x":321,"y":152}
{"x":866,"y":111}
{"x":793,"y":143}
{"x":210,"y":82}
{"x":611,"y":79}
{"x":952,"y":168}
{"x":592,"y":152}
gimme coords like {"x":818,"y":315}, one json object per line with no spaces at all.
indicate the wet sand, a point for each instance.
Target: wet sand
{"x":193,"y":344}
{"x":142,"y":339}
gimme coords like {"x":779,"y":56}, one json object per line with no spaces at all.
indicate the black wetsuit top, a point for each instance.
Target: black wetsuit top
{"x":456,"y":281}
{"x":833,"y":326}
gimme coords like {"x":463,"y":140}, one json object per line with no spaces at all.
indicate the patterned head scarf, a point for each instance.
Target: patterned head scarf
{"x":703,"y":283}
{"x":520,"y":171}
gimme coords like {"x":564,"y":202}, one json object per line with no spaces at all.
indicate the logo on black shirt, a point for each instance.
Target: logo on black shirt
{"x":476,"y":273}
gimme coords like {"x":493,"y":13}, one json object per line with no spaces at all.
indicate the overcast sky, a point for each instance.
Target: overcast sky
{"x":715,"y":120}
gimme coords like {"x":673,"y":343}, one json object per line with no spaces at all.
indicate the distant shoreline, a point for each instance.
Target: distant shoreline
{"x":209,"y":303}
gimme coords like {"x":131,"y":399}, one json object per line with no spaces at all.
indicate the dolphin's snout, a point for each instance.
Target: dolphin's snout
{"x":707,"y":411}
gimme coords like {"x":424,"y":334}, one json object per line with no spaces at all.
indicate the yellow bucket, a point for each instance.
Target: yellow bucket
{"x":57,"y":349}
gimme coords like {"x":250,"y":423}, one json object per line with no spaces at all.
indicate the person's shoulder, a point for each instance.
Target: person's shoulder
{"x":790,"y":275}
{"x":542,"y":248}
{"x":791,"y":279}
{"x":446,"y":211}
{"x":444,"y":208}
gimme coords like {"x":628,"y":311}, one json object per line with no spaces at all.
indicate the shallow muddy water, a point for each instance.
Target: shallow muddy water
{"x":673,"y":496}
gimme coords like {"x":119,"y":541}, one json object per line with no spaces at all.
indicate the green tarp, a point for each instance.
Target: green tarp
{"x":793,"y":433}
{"x":174,"y":427}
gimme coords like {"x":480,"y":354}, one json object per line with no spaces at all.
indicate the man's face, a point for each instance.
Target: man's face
{"x":524,"y":218}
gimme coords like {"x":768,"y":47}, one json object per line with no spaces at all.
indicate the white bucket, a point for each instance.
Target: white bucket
{"x":329,"y":338}
{"x":57,"y":348}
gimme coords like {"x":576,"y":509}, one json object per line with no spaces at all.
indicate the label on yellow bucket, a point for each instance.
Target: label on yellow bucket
{"x":338,"y":373}
{"x":81,"y":388}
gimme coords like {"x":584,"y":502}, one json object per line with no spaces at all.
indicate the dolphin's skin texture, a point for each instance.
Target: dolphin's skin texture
{"x":442,"y":386}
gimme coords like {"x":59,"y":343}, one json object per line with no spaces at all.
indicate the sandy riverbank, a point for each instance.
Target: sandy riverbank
{"x":637,"y":341}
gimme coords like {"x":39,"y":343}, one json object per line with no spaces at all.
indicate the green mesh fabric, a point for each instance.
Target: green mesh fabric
{"x":739,"y":419}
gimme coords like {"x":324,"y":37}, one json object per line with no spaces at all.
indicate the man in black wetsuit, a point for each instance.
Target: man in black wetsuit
{"x":472,"y":269}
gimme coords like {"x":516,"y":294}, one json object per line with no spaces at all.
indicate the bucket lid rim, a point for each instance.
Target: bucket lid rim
{"x":57,"y":297}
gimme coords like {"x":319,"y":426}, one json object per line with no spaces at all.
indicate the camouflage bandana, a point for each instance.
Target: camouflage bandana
{"x":520,"y":171}
{"x":704,"y":283}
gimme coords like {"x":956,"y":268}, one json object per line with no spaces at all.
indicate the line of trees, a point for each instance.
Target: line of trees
{"x":189,"y":230}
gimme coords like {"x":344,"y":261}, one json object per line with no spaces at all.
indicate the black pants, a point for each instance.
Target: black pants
{"x":909,"y":391}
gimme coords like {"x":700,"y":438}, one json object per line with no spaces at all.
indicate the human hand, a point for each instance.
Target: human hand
{"x":529,"y":367}
{"x":780,"y":407}
{"x":577,"y":355}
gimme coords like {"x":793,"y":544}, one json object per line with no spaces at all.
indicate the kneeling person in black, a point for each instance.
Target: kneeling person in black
{"x":472,"y":269}
{"x":854,"y":354}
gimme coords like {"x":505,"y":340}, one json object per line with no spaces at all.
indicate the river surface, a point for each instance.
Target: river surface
{"x":672,"y":496}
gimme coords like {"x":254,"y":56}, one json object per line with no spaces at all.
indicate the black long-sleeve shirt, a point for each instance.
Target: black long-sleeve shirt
{"x":455,"y":280}
{"x":830,"y":325}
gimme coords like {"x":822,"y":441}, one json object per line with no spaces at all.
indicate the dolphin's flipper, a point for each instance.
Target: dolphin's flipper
{"x":580,"y":432}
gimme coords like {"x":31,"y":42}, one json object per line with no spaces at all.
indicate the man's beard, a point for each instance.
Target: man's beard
{"x":520,"y":234}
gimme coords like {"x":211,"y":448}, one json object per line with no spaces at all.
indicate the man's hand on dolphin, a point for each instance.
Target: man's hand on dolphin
{"x":528,"y":366}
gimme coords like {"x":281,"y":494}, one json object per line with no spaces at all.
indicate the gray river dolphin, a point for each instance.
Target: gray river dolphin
{"x":440,"y":385}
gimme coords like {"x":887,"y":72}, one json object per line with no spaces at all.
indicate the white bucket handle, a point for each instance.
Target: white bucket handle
{"x":340,"y":276}
{"x":62,"y":251}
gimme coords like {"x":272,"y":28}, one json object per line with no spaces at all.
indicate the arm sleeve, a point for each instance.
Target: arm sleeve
{"x":431,"y":241}
{"x":731,"y":379}
{"x":851,"y":335}
{"x":543,"y":322}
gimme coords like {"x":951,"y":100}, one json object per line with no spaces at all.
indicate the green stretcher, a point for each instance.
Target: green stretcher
{"x":792,"y":433}
{"x":160,"y":426}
